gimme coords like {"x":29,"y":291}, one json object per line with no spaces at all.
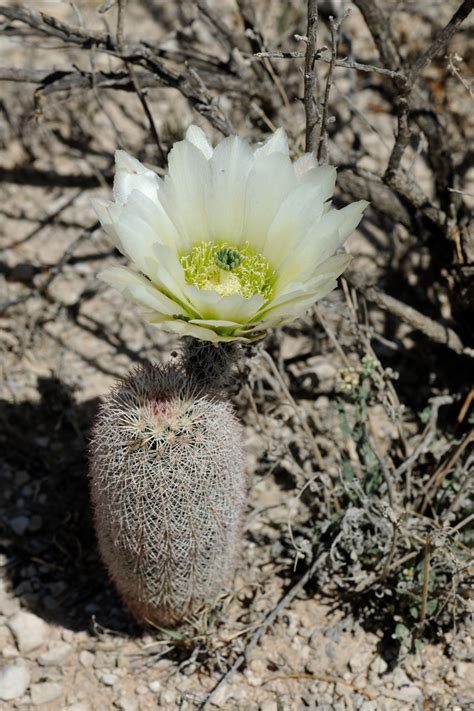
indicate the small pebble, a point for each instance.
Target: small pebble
{"x":8,"y":604}
{"x":410,"y":694}
{"x":155,"y":686}
{"x":126,"y":703}
{"x":379,"y":665}
{"x":359,"y":662}
{"x":400,"y":678}
{"x":460,"y":668}
{"x":268,"y":706}
{"x":368,"y":706}
{"x":167,"y":697}
{"x":19,"y":524}
{"x":86,"y":658}
{"x":30,"y":631}
{"x":45,"y":692}
{"x":107,"y":678}
{"x":10,"y":652}
{"x":360,"y":681}
{"x":315,"y":641}
{"x":14,"y":681}
{"x":56,"y":655}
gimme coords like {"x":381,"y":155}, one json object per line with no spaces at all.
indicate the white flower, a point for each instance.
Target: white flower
{"x":232,"y":242}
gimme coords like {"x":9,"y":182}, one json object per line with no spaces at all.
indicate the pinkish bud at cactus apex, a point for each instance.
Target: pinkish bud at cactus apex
{"x":168,"y":491}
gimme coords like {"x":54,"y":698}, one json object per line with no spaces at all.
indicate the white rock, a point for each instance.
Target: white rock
{"x":107,"y":678}
{"x":56,"y":655}
{"x":461,"y":670}
{"x":86,"y":658}
{"x":268,"y":706}
{"x":127,"y":703}
{"x":14,"y":681}
{"x":167,"y":697}
{"x":155,"y":686}
{"x":19,"y":524}
{"x":324,"y":371}
{"x":379,"y":665}
{"x":360,"y":681}
{"x":8,"y":604}
{"x":30,"y":632}
{"x":400,"y":678}
{"x":359,"y":662}
{"x":67,"y":635}
{"x":368,"y":706}
{"x":45,"y":692}
{"x":410,"y":694}
{"x":10,"y":652}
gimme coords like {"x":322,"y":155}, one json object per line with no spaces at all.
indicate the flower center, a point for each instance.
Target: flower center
{"x":217,"y":266}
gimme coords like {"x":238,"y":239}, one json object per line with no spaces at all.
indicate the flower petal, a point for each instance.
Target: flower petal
{"x":305,"y":163}
{"x":324,"y":238}
{"x":215,"y":323}
{"x":168,"y":274}
{"x":182,"y":195}
{"x":211,"y":305}
{"x":277,"y":143}
{"x":131,"y":175}
{"x":299,"y":210}
{"x":198,"y":138}
{"x":138,"y":289}
{"x":184,"y":328}
{"x":225,"y":195}
{"x":320,"y":242}
{"x":298,"y":273}
{"x":324,"y":176}
{"x":301,"y":301}
{"x":102,"y":210}
{"x":155,"y":217}
{"x":136,"y":237}
{"x":270,"y":180}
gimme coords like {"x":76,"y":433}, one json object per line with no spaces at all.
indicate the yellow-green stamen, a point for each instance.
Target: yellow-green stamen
{"x":220,"y":267}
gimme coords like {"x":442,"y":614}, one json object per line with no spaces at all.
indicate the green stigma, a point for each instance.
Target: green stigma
{"x":228,"y":259}
{"x":217,"y":266}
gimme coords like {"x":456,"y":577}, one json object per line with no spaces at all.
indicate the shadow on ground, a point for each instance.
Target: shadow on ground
{"x":48,"y":537}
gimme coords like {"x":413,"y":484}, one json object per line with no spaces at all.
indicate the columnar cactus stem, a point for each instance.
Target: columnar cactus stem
{"x":168,"y":490}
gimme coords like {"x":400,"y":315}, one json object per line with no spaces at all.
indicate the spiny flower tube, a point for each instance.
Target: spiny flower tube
{"x":233,"y":241}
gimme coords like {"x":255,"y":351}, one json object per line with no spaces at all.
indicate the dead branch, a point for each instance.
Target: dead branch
{"x":430,"y":328}
{"x":334,"y":28}
{"x":136,"y":54}
{"x":343,"y":62}
{"x":310,"y":103}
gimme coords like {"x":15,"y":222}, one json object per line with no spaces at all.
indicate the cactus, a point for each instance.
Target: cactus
{"x":168,"y":490}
